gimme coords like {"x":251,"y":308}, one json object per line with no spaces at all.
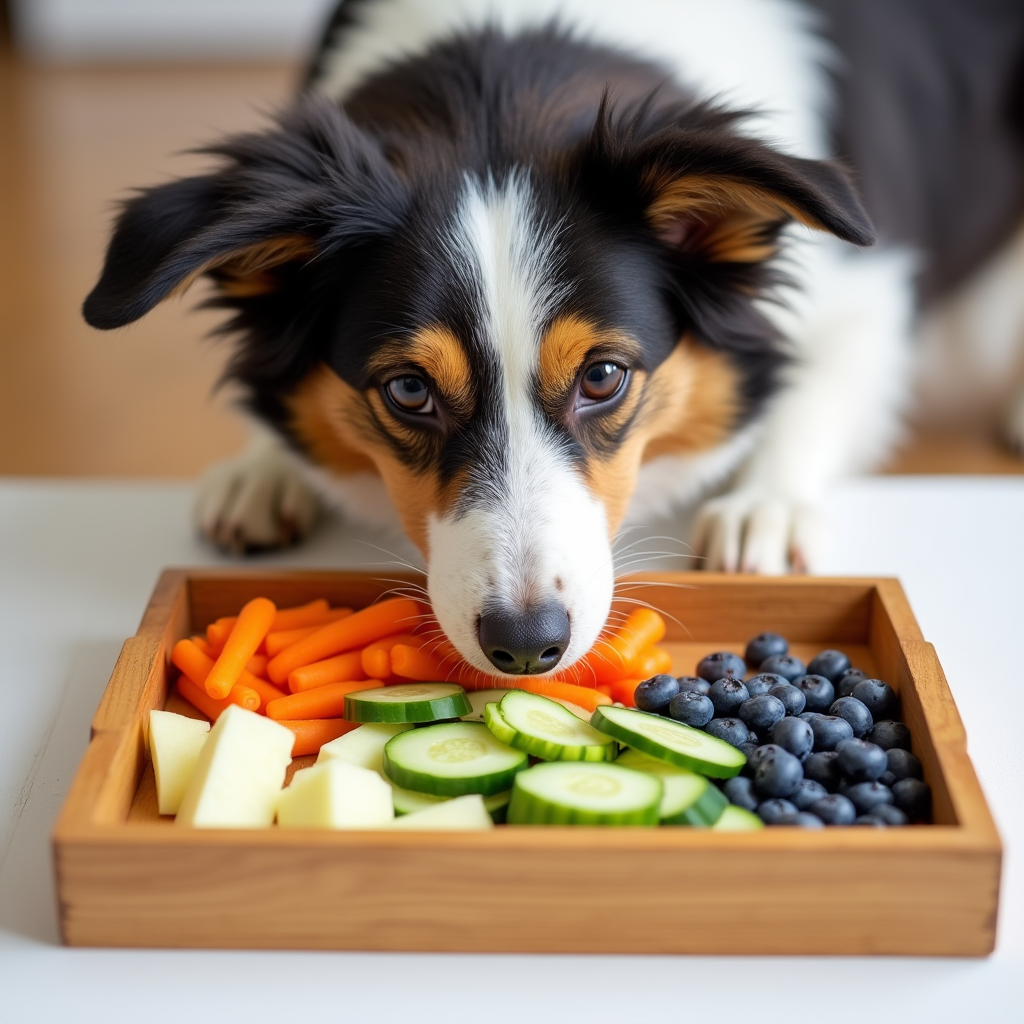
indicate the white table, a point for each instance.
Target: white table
{"x":77,"y":563}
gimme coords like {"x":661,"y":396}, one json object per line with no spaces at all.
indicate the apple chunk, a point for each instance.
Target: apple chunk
{"x":239,"y":774}
{"x":336,"y":794}
{"x":174,"y":745}
{"x":363,"y":746}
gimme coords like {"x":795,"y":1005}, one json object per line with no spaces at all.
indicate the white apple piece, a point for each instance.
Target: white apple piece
{"x":174,"y":745}
{"x":335,"y":794}
{"x":239,"y":774}
{"x":461,"y":813}
{"x":363,"y":746}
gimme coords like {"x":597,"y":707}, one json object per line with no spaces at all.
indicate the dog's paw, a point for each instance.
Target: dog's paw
{"x":256,"y":502}
{"x":1013,"y":425}
{"x":747,"y":531}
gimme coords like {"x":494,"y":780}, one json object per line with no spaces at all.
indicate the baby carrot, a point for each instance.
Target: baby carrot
{"x":277,"y":641}
{"x":316,"y":613}
{"x":210,"y":706}
{"x":358,"y":630}
{"x":197,"y":666}
{"x":649,"y":662}
{"x":257,"y":664}
{"x":341,"y":668}
{"x":312,"y":733}
{"x":611,"y":657}
{"x":376,"y":657}
{"x":322,"y":702}
{"x":422,"y":665}
{"x":623,"y":691}
{"x":254,"y":622}
{"x":583,"y":696}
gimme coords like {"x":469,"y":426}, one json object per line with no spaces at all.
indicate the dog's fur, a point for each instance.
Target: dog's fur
{"x":509,"y":205}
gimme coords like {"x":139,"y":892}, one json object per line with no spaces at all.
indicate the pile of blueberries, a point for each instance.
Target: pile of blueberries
{"x":824,"y":742}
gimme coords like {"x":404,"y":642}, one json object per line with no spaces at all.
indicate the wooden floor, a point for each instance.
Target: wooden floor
{"x":140,"y":402}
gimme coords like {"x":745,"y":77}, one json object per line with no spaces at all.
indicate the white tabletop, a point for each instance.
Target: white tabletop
{"x":77,"y":563}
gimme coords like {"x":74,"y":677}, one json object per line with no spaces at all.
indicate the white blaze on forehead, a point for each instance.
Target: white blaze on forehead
{"x":536,"y":534}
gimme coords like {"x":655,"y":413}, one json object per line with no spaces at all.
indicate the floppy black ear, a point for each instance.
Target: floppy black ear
{"x":313,"y":185}
{"x":710,"y":192}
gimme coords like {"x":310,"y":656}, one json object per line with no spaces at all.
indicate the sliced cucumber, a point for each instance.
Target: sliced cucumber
{"x":481,"y":698}
{"x":408,"y":801}
{"x":737,"y":819}
{"x":462,"y":812}
{"x":547,"y":730}
{"x":450,"y":759}
{"x":670,"y":741}
{"x":408,"y":702}
{"x":580,"y":793}
{"x":689,"y":798}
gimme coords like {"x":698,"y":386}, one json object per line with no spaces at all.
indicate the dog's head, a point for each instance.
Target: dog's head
{"x":503,"y":332}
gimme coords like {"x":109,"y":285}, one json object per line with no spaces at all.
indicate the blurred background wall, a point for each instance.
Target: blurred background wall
{"x":101,"y":96}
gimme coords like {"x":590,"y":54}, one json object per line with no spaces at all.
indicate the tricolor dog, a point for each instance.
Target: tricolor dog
{"x":513,"y":272}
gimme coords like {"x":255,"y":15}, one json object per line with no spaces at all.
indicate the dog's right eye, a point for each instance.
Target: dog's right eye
{"x":411,"y":394}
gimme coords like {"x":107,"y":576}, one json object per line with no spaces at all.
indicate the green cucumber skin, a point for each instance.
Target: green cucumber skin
{"x":526,"y":809}
{"x":738,"y":819}
{"x":704,"y":812}
{"x":496,"y":805}
{"x":454,"y":706}
{"x":544,"y":749}
{"x":656,"y":750}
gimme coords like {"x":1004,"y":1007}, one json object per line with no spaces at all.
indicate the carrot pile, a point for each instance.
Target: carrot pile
{"x":296,"y":665}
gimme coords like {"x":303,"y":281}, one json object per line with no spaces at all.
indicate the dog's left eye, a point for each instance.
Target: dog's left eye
{"x":411,"y":394}
{"x":601,"y":381}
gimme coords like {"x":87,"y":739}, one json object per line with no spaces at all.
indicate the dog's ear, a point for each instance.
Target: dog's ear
{"x":313,"y":185}
{"x":709,"y":192}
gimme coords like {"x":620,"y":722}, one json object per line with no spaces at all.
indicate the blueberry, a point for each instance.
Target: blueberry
{"x":903,"y":764}
{"x":890,"y":734}
{"x":801,"y":820}
{"x":721,"y":664}
{"x":691,"y":708}
{"x":795,"y":736}
{"x":807,"y":793}
{"x":848,"y":680}
{"x":748,"y":749}
{"x":818,"y":692}
{"x":778,"y":774}
{"x":761,"y":752}
{"x":855,"y":713}
{"x":740,"y":791}
{"x":879,"y":697}
{"x":784,"y":665}
{"x":871,"y":821}
{"x":861,"y":761}
{"x":867,"y":795}
{"x":834,"y":809}
{"x":771,"y":810}
{"x":792,"y":698}
{"x":655,"y":693}
{"x":694,"y":684}
{"x":822,"y":768}
{"x":758,"y":686}
{"x":727,"y":694}
{"x":912,"y":796}
{"x":890,"y":814}
{"x":732,"y":730}
{"x":761,"y":713}
{"x":887,"y":779}
{"x":830,"y":664}
{"x":828,"y":730}
{"x":764,"y":645}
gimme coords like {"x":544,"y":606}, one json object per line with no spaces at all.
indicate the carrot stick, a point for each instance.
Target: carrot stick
{"x":316,"y":613}
{"x":651,"y":661}
{"x":277,"y":641}
{"x":611,"y":657}
{"x":358,"y":630}
{"x":583,"y":696}
{"x":210,"y":706}
{"x":326,"y":701}
{"x":254,"y":622}
{"x":376,"y":657}
{"x":623,"y":691}
{"x":257,"y":664}
{"x":197,"y":666}
{"x":312,"y":734}
{"x":267,"y":691}
{"x":341,"y":668}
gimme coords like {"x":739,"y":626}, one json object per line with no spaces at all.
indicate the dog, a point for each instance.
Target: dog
{"x":507,"y":274}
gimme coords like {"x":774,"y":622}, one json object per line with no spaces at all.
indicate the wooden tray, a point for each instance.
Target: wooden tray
{"x":126,"y":877}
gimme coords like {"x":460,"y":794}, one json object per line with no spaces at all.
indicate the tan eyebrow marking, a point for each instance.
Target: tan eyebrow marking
{"x":565,"y":346}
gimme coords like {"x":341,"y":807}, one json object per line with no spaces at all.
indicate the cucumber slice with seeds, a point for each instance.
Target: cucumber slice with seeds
{"x":408,"y":702}
{"x":451,"y":759}
{"x":481,"y":698}
{"x":670,"y":741}
{"x":582,"y":793}
{"x":689,"y":798}
{"x":737,"y":819}
{"x":530,"y":722}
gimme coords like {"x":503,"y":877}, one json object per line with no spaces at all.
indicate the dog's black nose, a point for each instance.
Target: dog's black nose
{"x":524,"y":643}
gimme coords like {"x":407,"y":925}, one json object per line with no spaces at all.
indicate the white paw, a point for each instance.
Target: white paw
{"x":255,"y":502}
{"x":749,"y":531}
{"x":1013,"y":425}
